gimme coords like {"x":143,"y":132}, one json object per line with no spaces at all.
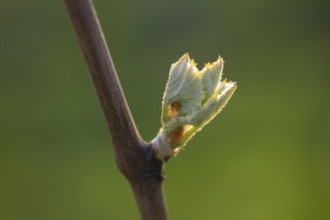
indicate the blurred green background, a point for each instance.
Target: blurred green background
{"x":267,"y":156}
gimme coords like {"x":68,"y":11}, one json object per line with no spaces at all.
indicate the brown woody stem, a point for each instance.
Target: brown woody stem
{"x":134,"y":156}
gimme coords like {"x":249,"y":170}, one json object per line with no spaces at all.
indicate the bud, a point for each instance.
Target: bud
{"x":192,"y":99}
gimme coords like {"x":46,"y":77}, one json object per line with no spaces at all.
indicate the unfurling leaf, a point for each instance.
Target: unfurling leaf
{"x":192,"y":98}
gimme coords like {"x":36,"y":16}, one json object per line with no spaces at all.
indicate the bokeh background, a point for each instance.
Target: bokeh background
{"x":266,"y":156}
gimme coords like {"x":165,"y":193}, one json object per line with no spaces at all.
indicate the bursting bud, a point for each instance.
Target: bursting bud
{"x":192,"y":99}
